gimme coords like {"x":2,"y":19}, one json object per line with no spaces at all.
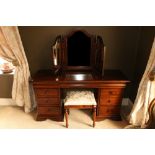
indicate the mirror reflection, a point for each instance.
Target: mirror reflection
{"x":56,"y":48}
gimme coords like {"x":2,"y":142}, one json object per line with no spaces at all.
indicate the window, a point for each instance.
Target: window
{"x":6,"y":67}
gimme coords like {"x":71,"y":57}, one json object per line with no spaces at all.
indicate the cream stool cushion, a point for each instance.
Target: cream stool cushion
{"x":76,"y":97}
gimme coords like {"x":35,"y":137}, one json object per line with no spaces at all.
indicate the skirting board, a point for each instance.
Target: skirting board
{"x":7,"y":101}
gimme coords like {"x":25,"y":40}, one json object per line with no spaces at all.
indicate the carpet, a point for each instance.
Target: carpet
{"x":13,"y":117}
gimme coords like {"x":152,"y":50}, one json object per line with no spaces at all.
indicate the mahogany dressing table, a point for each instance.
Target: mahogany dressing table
{"x":78,"y":62}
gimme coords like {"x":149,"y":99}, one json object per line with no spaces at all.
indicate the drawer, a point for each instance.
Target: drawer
{"x":47,"y":92}
{"x":48,"y":110}
{"x":111,"y":92}
{"x":48,"y":101}
{"x":110,"y":101}
{"x":109,"y":110}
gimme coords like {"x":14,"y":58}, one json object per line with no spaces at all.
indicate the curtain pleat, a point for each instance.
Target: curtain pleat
{"x":146,"y":93}
{"x":11,"y":49}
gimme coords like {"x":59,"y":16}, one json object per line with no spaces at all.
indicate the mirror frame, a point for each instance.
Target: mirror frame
{"x":97,"y":54}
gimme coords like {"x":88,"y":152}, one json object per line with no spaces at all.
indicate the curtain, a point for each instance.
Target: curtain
{"x":11,"y":49}
{"x":146,"y":92}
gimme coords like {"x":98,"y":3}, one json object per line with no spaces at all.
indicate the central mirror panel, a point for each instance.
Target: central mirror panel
{"x":79,"y":49}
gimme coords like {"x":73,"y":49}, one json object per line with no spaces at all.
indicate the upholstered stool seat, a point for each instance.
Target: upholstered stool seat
{"x":83,"y":99}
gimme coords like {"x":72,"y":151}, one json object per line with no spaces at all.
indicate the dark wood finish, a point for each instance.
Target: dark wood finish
{"x":45,"y":92}
{"x":49,"y":87}
{"x":49,"y":110}
{"x":48,"y":103}
{"x":79,"y":106}
{"x":108,"y":111}
{"x":110,"y":101}
{"x":49,"y":84}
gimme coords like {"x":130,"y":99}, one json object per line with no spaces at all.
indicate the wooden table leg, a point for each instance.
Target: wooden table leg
{"x":94,"y":115}
{"x":66,"y":116}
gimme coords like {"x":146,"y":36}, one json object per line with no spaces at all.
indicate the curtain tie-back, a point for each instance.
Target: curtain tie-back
{"x":152,"y":75}
{"x":15,"y":63}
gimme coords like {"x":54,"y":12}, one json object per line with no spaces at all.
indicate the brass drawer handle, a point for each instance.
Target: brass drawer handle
{"x":108,"y":110}
{"x":110,"y":92}
{"x":108,"y":101}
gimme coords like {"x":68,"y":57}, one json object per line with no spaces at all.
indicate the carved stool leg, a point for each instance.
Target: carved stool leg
{"x":94,"y":115}
{"x":68,"y":111}
{"x":66,"y":116}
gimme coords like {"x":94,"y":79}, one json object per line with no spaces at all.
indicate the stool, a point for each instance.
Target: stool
{"x":80,"y":100}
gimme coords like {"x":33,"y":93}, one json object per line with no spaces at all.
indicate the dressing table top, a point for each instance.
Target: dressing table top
{"x":47,"y":76}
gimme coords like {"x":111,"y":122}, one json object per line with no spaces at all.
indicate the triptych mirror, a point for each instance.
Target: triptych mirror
{"x":78,"y":51}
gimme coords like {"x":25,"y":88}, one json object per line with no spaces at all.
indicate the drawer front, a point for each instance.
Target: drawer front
{"x":109,"y":110}
{"x":113,"y":92}
{"x":48,"y":111}
{"x":47,"y":92}
{"x":107,"y":101}
{"x":48,"y":101}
